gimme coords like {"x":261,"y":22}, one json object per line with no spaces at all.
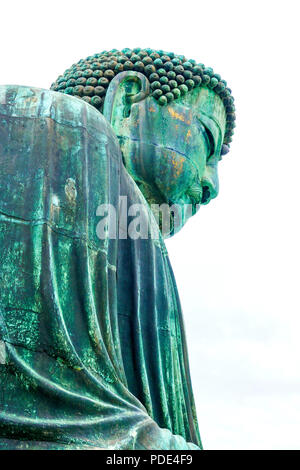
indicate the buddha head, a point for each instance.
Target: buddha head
{"x":174,"y":120}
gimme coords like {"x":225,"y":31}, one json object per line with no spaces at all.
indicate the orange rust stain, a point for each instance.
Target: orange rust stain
{"x":176,"y":115}
{"x":178,"y":165}
{"x":152,"y":110}
{"x":188,"y":135}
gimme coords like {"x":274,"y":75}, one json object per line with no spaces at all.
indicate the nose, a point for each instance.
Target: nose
{"x":210,"y":184}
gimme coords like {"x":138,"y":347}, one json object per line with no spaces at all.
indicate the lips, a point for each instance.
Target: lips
{"x":199,"y":194}
{"x":195,"y":193}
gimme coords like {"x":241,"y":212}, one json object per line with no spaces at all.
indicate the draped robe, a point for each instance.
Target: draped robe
{"x":92,"y":342}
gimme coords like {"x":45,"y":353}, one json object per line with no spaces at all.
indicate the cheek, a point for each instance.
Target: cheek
{"x":197,"y":151}
{"x":175,"y":173}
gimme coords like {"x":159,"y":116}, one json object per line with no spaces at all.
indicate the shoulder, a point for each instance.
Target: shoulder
{"x":30,"y":102}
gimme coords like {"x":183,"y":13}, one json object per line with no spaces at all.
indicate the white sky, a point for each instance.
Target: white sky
{"x":237,"y":262}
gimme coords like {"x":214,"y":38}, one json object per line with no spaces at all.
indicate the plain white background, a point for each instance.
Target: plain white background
{"x":237,"y":262}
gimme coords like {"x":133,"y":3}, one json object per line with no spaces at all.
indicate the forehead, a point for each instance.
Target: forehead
{"x":204,"y":104}
{"x":180,"y":117}
{"x":201,"y":103}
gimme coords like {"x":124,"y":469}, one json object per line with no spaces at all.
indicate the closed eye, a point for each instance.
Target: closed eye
{"x":209,"y":139}
{"x":211,"y":142}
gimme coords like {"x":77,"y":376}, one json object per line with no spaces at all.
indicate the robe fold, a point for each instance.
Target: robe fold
{"x":92,"y":342}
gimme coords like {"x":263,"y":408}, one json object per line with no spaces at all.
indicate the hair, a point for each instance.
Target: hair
{"x":171,"y":76}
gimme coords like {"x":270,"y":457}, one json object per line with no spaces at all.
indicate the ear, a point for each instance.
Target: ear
{"x":124,"y":90}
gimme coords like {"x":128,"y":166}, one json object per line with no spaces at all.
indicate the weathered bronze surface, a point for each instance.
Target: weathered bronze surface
{"x":92,"y":343}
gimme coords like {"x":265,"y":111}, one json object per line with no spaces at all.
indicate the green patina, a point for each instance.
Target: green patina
{"x":92,"y":343}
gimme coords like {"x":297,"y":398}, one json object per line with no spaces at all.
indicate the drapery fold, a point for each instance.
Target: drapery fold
{"x":95,"y":352}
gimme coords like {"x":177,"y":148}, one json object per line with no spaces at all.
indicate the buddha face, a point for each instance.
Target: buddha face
{"x":172,"y":152}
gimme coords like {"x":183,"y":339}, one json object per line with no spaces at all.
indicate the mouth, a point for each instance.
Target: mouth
{"x":199,"y":194}
{"x":195,"y":194}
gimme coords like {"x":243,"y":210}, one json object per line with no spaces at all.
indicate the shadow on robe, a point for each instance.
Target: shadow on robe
{"x":92,"y":343}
